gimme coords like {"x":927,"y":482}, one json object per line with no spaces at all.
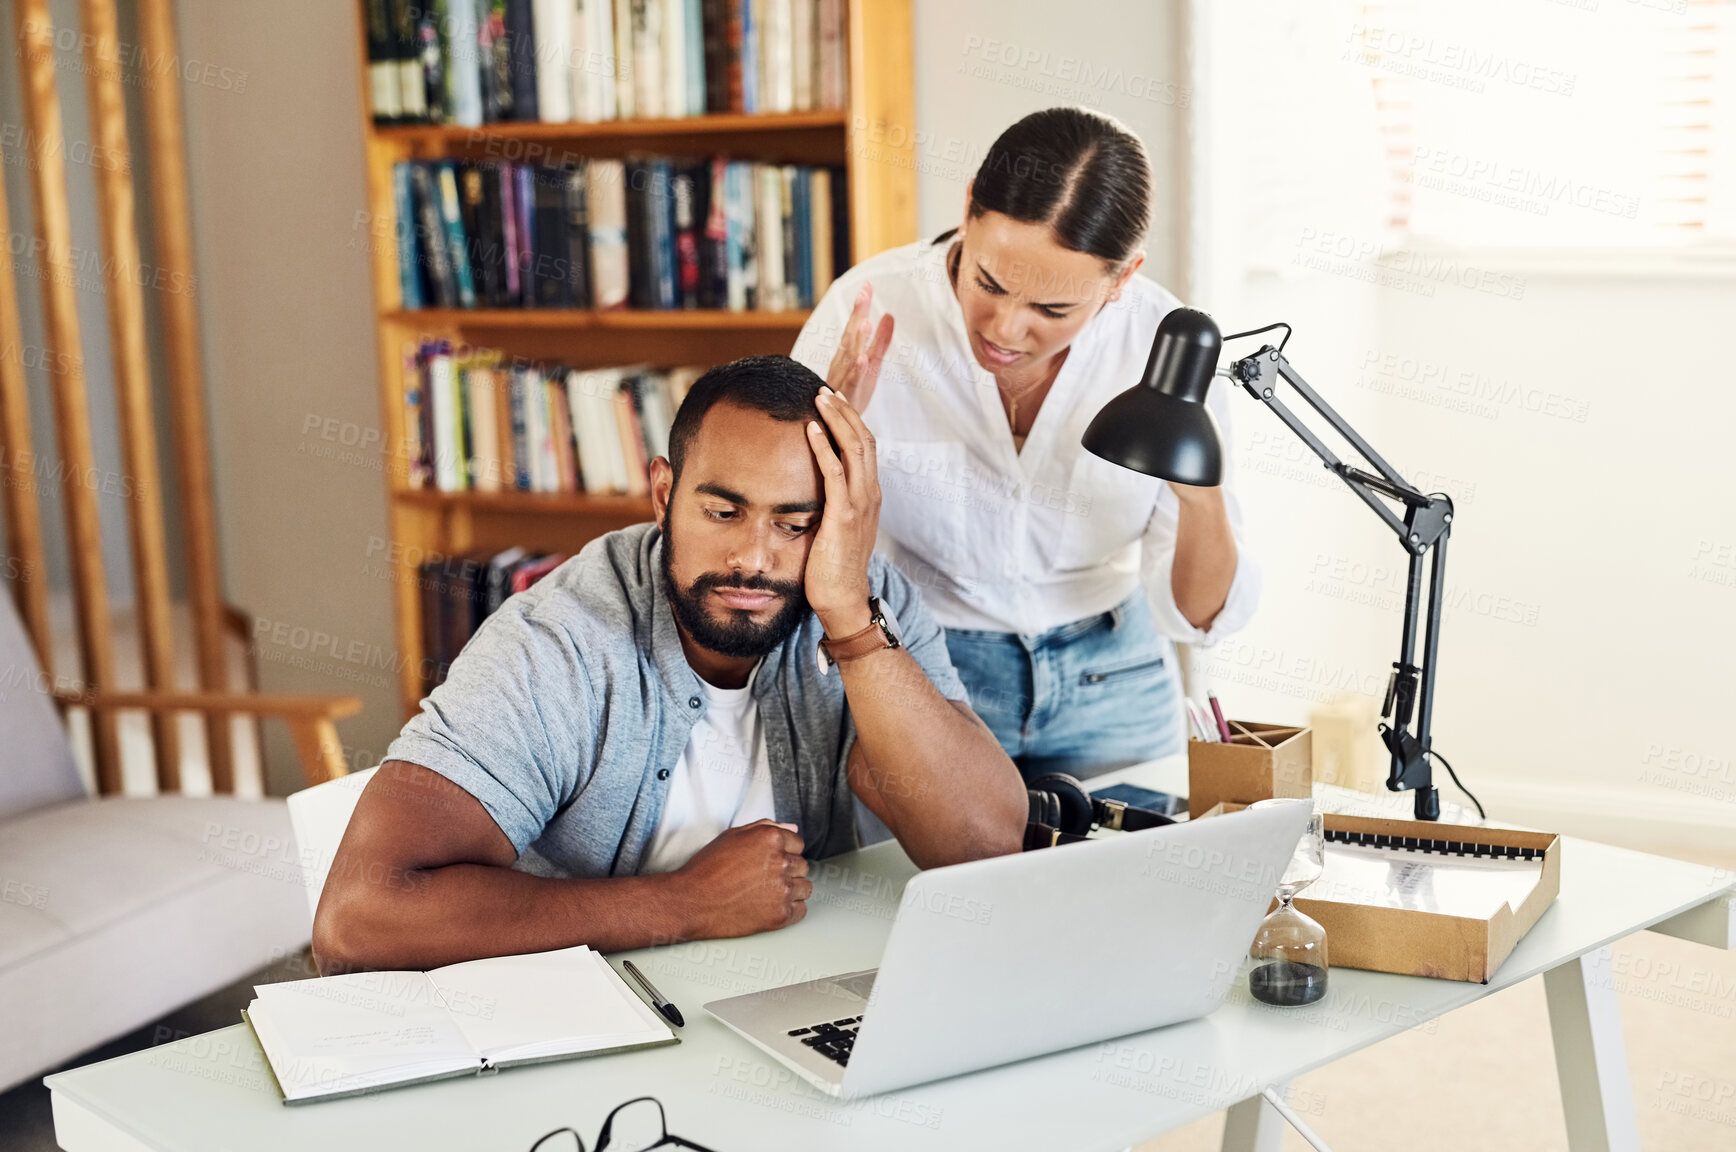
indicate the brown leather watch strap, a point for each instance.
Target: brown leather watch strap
{"x":857,"y":644}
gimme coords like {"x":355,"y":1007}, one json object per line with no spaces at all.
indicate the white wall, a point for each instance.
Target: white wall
{"x":276,"y":164}
{"x":1577,"y":416}
{"x":982,"y":64}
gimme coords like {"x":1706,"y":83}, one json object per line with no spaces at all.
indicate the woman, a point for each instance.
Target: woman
{"x":1063,"y":581}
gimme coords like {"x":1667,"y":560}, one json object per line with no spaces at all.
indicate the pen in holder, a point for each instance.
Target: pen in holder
{"x":1290,"y":948}
{"x":1260,"y":762}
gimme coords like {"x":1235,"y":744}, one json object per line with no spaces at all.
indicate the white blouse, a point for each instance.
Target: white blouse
{"x":1002,"y":539}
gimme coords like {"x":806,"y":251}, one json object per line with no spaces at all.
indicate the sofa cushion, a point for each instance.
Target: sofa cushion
{"x":124,"y":908}
{"x":36,"y":764}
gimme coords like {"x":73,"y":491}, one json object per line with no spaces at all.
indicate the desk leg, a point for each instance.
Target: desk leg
{"x":1590,"y":1058}
{"x":1253,"y":1127}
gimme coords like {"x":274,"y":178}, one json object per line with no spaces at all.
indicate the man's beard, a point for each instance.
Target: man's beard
{"x":740,"y":635}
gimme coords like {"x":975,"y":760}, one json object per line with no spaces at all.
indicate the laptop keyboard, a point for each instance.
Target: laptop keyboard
{"x":832,"y":1039}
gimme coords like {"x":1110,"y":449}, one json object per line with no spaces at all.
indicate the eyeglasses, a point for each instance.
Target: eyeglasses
{"x":634,"y":1126}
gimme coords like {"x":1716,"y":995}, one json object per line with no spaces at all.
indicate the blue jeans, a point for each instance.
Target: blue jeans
{"x":1083,"y":698}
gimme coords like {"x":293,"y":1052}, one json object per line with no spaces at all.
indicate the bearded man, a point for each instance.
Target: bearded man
{"x":652,"y":743}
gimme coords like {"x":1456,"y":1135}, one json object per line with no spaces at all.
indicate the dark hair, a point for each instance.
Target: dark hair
{"x":1083,"y":174}
{"x":775,"y":385}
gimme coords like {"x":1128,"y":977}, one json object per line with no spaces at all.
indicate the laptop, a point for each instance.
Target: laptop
{"x":1017,"y":956}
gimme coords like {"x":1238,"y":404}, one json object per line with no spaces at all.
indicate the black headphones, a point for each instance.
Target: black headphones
{"x":1063,"y":812}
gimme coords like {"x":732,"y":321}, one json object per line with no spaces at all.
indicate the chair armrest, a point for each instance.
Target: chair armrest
{"x":261,"y":704}
{"x":311,"y":719}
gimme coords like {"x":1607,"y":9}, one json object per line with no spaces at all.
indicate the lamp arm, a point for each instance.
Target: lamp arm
{"x":1426,"y":523}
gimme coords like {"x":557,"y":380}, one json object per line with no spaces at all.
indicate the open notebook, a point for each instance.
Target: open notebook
{"x":345,"y":1035}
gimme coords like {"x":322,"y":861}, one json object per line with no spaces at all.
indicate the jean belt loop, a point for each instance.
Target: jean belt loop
{"x":1115,"y":615}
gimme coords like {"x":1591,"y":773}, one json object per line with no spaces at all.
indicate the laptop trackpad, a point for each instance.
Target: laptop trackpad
{"x":856,"y":984}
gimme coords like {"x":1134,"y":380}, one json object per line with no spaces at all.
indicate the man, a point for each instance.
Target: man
{"x":643,"y":747}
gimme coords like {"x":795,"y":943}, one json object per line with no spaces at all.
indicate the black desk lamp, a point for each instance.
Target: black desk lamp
{"x":1161,"y":427}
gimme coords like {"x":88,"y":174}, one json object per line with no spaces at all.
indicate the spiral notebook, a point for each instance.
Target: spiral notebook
{"x":1457,"y":878}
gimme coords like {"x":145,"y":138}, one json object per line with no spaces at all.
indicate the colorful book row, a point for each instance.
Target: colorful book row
{"x":474,"y":62}
{"x":648,"y":232}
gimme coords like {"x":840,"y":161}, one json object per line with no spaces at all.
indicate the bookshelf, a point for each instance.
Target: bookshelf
{"x":872,"y":139}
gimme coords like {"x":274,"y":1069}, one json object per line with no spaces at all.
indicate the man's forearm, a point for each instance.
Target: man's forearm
{"x":930,"y":770}
{"x":424,"y":918}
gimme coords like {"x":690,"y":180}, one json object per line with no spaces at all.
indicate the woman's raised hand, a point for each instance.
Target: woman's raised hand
{"x":856,"y":365}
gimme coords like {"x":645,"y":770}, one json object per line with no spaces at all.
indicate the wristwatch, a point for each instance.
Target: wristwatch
{"x":882,"y":632}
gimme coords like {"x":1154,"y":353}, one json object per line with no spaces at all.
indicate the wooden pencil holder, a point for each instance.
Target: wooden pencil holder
{"x":1261,"y":761}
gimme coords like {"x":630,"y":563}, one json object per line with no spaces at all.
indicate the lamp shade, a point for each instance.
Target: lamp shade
{"x":1161,"y":425}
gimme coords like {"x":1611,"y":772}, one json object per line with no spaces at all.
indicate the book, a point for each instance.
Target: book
{"x":406,"y":53}
{"x":521,"y":58}
{"x":626,"y":83}
{"x":820,"y":231}
{"x":452,"y":220}
{"x":347,"y":1035}
{"x":695,"y":44}
{"x":496,"y":46}
{"x":802,"y":30}
{"x":578,"y":253}
{"x":647,"y":58}
{"x":606,"y":196}
{"x":673,"y":14}
{"x":554,"y":52}
{"x":769,"y":236}
{"x":404,"y":208}
{"x":466,"y":62}
{"x":382,"y":63}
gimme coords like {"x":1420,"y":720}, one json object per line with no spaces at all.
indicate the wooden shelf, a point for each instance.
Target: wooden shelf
{"x":555,"y":503}
{"x":572,"y":320}
{"x":449,"y":135}
{"x":879,"y":193}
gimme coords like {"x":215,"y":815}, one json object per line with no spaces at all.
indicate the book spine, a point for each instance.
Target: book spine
{"x":626,"y":83}
{"x":578,"y":239}
{"x":383,"y":99}
{"x":695,"y":42}
{"x":769,"y":235}
{"x":525,"y":194}
{"x":520,"y":429}
{"x":606,"y":183}
{"x":662,"y":207}
{"x":452,"y":218}
{"x":686,"y":240}
{"x":802,"y":20}
{"x":674,"y":62}
{"x":554,"y":51}
{"x":521,"y":53}
{"x":509,"y":233}
{"x":431,"y":248}
{"x":406,"y":41}
{"x":404,"y":221}
{"x":750,"y":55}
{"x":431,"y":50}
{"x":415,"y":451}
{"x":820,"y":229}
{"x":496,"y":46}
{"x":466,"y":62}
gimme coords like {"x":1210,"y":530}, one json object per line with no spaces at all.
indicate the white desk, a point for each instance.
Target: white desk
{"x":210,"y":1093}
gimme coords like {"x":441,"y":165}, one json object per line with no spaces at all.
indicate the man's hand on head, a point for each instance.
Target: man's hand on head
{"x":836,"y":577}
{"x":750,"y":879}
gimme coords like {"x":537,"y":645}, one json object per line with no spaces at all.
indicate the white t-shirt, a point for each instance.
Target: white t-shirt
{"x":1000,"y":538}
{"x":723,"y":779}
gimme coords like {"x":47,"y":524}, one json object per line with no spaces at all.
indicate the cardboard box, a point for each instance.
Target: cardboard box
{"x":1416,"y":943}
{"x":1261,"y":761}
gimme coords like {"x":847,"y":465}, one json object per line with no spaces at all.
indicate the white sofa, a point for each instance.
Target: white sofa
{"x":115,"y":911}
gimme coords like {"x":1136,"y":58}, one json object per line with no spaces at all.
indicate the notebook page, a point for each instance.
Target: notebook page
{"x":1466,"y":886}
{"x":344,"y":1033}
{"x":513,"y":1007}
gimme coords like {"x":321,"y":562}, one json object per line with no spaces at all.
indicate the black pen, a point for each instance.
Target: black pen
{"x":669,"y":1010}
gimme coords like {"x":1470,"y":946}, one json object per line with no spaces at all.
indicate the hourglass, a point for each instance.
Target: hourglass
{"x":1290,"y":948}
